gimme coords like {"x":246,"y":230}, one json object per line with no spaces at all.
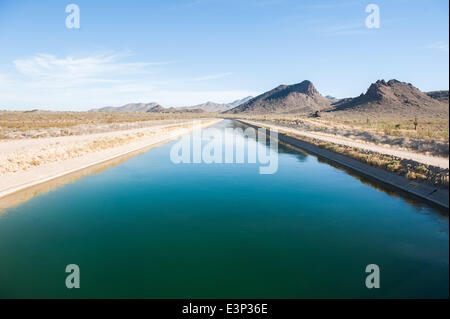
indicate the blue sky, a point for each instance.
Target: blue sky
{"x":186,"y":52}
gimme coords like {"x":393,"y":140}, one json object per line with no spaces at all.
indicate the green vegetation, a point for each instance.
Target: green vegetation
{"x":421,"y":169}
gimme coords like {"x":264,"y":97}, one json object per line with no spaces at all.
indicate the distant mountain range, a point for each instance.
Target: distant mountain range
{"x":393,"y":98}
{"x":154,"y":107}
{"x":218,"y":107}
{"x":132,"y":107}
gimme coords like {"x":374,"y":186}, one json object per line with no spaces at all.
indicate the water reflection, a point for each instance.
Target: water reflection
{"x":301,"y":155}
{"x":22,"y":196}
{"x":283,"y":148}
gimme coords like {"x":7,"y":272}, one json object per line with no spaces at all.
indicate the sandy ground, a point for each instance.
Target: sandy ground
{"x":29,"y":162}
{"x":421,"y":158}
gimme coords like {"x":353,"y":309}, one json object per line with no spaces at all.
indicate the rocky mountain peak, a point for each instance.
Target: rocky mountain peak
{"x":296,"y":98}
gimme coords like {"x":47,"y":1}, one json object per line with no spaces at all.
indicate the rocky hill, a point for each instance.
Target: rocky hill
{"x":439,"y":95}
{"x":156,"y":109}
{"x":297,"y":98}
{"x":218,"y":107}
{"x":153,"y":107}
{"x":132,"y":107}
{"x":160,"y":109}
{"x":239,"y":102}
{"x":211,"y":107}
{"x":393,"y":98}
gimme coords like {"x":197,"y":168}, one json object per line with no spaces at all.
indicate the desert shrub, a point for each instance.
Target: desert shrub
{"x":394,"y":166}
{"x":35,"y":162}
{"x":421,"y":169}
{"x":421,"y":177}
{"x":411,"y":175}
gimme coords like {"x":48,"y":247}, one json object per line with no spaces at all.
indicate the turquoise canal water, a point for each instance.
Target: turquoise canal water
{"x":149,"y":228}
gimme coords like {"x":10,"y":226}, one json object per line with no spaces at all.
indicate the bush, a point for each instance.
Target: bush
{"x":411,"y":175}
{"x":421,"y":169}
{"x":394,"y":166}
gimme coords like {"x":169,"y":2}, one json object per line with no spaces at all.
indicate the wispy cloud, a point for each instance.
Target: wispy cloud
{"x":209,"y":77}
{"x":331,"y":5}
{"x":80,"y":83}
{"x":439,"y":45}
{"x":91,"y":97}
{"x":188,"y":4}
{"x":100,"y":67}
{"x":344,"y":29}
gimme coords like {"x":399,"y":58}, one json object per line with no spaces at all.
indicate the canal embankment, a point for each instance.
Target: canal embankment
{"x":29,"y":162}
{"x":430,"y":193}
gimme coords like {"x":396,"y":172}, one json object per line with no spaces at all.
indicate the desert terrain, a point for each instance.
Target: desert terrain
{"x":393,"y":125}
{"x":46,"y":148}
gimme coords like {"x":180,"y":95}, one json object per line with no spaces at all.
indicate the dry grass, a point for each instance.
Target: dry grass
{"x":430,"y":138}
{"x":26,"y":159}
{"x":46,"y":119}
{"x":46,"y":123}
{"x":410,"y":169}
{"x":429,"y":129}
